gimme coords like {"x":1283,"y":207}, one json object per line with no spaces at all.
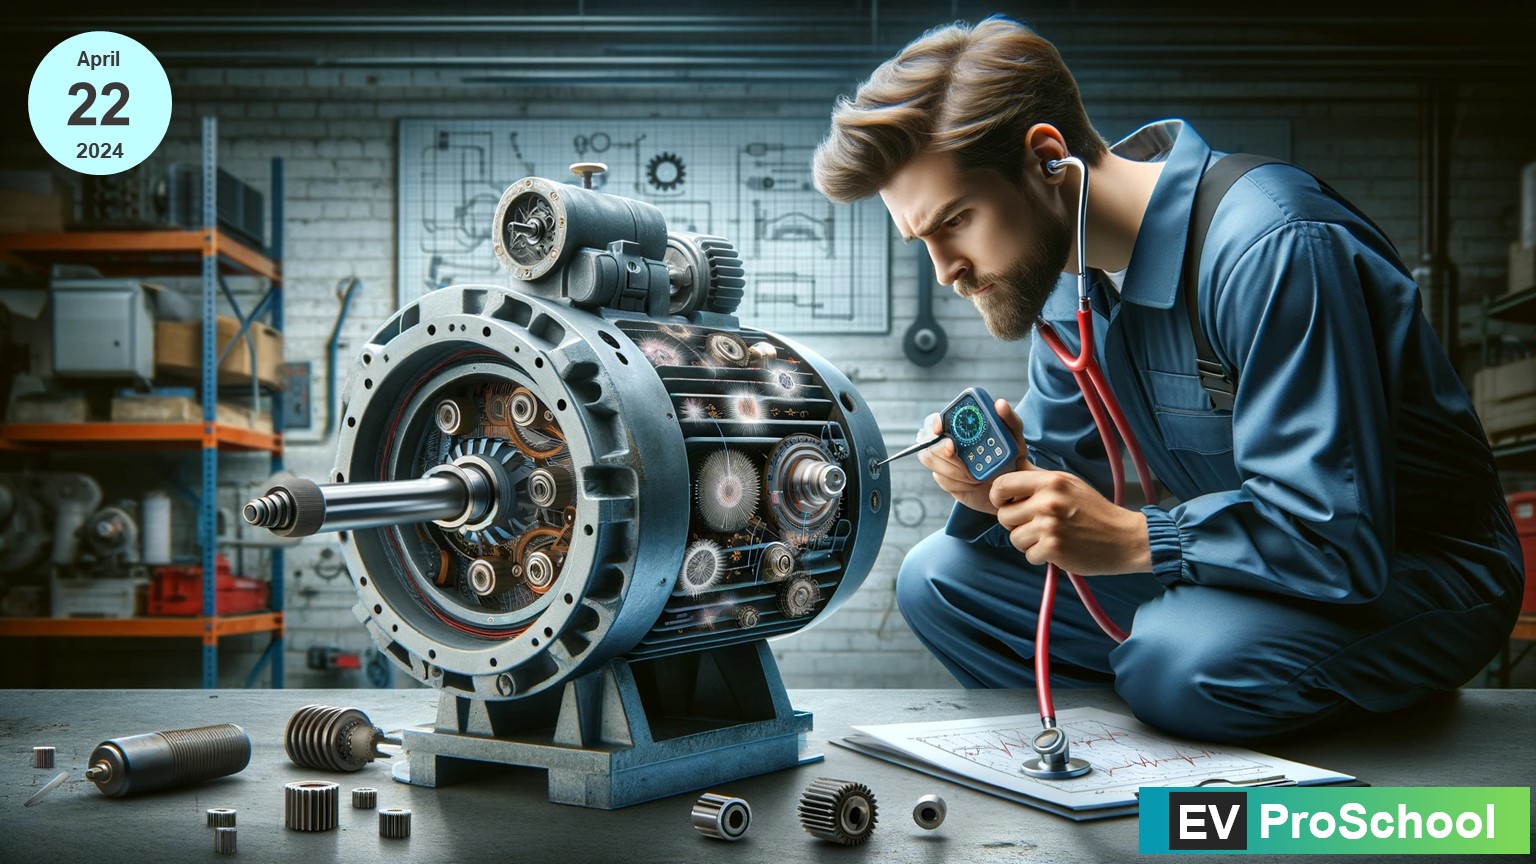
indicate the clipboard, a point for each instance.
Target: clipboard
{"x":985,"y":753}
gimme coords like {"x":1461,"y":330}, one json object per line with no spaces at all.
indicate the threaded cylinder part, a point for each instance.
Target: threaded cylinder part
{"x":365,"y":798}
{"x":224,"y":841}
{"x":42,"y":757}
{"x":221,"y":817}
{"x":207,"y":752}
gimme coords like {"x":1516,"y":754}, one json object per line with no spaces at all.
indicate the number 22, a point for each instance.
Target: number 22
{"x":110,"y":118}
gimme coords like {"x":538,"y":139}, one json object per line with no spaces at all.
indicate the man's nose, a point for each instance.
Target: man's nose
{"x":947,"y":267}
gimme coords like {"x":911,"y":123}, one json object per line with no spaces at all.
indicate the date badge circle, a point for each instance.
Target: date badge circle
{"x":100,"y":103}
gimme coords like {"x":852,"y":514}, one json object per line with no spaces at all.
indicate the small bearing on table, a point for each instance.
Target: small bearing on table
{"x":721,"y":816}
{"x":929,"y":812}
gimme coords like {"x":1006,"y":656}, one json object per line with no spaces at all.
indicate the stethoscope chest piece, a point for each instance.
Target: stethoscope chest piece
{"x":1054,"y":761}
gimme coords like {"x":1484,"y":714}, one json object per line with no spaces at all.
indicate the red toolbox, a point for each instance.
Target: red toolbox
{"x":179,"y":591}
{"x":1522,"y":505}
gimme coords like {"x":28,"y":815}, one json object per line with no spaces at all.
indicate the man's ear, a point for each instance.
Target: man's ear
{"x":1043,"y":144}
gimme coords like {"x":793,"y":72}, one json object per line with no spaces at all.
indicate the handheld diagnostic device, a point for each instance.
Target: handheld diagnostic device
{"x":981,"y":439}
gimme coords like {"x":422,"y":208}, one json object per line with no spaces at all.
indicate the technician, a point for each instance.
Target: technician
{"x":1333,"y":539}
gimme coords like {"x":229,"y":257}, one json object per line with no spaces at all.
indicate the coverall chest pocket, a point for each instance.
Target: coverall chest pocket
{"x":1185,"y":416}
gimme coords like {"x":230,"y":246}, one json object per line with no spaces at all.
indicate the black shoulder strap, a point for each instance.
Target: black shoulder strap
{"x":1219,"y":383}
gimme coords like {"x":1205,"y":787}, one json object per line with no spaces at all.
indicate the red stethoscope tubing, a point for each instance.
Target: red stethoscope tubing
{"x":1105,"y":410}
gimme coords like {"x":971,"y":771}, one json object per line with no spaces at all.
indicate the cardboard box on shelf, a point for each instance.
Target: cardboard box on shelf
{"x":97,"y":598}
{"x":154,"y":408}
{"x":34,"y":201}
{"x":1522,"y":268}
{"x":178,"y":349}
{"x":49,"y":408}
{"x":1505,"y":398}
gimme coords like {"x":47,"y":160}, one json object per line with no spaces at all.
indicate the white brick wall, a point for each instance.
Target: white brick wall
{"x":335,"y":129}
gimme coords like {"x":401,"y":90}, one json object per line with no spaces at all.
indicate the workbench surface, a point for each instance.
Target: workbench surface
{"x":1479,"y":738}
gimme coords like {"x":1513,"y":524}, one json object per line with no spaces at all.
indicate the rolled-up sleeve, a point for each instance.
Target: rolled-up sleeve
{"x":1312,"y":431}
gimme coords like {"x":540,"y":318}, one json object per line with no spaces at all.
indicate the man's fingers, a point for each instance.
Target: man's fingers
{"x":1015,"y":424}
{"x":1018,"y":485}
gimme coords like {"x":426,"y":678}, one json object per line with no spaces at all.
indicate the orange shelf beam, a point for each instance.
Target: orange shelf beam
{"x":1525,"y":627}
{"x":138,"y":436}
{"x":210,"y":629}
{"x":143,"y":252}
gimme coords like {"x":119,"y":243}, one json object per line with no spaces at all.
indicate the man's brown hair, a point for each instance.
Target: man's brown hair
{"x":969,"y":90}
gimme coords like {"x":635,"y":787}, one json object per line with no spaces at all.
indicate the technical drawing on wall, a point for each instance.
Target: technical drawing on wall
{"x":812,"y":266}
{"x":988,"y":753}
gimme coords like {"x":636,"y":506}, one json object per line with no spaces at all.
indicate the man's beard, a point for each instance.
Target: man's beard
{"x":1019,"y":295}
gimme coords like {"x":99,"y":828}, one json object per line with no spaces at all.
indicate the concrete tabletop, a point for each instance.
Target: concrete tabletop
{"x":1479,"y":738}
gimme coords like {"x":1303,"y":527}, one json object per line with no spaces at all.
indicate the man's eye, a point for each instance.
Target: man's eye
{"x":955,"y":221}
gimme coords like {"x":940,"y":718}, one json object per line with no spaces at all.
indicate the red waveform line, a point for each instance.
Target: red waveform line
{"x":1105,"y":734}
{"x":1004,"y":745}
{"x":1148,"y":762}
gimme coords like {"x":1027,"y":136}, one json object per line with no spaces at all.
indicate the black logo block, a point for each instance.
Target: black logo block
{"x":1207,"y":820}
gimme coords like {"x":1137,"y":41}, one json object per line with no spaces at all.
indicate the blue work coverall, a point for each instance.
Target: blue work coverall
{"x":1338,"y":541}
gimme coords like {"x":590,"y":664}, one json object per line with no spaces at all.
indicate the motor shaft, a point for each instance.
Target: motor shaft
{"x":451,"y":494}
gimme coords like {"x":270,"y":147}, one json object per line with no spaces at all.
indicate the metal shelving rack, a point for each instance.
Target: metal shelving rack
{"x":211,"y":255}
{"x":1520,"y":308}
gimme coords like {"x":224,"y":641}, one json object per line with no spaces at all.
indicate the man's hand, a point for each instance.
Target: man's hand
{"x":1056,"y":518}
{"x":950,"y":473}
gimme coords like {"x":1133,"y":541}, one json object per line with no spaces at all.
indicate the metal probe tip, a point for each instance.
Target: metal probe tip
{"x":908,"y":451}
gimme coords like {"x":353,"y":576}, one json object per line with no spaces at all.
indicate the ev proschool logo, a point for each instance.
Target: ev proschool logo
{"x":1207,"y":820}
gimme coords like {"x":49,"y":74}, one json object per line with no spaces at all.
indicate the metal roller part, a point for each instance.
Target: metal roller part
{"x":221,"y":817}
{"x":540,"y":571}
{"x":721,"y":816}
{"x":838,"y":811}
{"x":777,"y":563}
{"x":395,"y":823}
{"x":333,"y":739}
{"x":929,"y":812}
{"x":224,"y":841}
{"x":163,"y":760}
{"x":747,"y":616}
{"x":551,"y":487}
{"x":524,"y":407}
{"x":311,"y":805}
{"x":798,"y":596}
{"x":454,"y":416}
{"x":365,"y":798}
{"x":42,"y":757}
{"x":762,"y":352}
{"x":491,"y":576}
